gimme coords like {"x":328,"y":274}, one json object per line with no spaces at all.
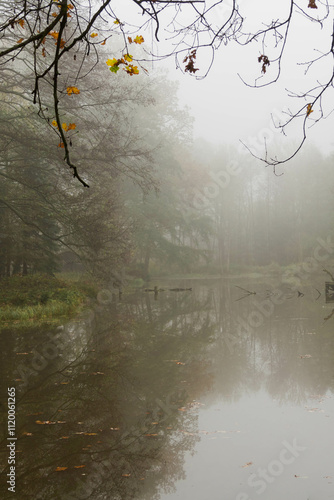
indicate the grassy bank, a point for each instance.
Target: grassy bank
{"x":41,"y":298}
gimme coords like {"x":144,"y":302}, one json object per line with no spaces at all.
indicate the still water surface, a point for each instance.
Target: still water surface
{"x":203,"y":394}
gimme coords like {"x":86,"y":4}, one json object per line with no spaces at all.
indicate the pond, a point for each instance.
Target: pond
{"x":210,"y":393}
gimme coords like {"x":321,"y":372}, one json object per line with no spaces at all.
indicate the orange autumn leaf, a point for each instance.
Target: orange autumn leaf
{"x":129,"y":39}
{"x":79,"y":466}
{"x":71,"y":126}
{"x":21,"y":22}
{"x":61,"y":468}
{"x":104,"y":42}
{"x":139,"y":39}
{"x":90,"y":433}
{"x":72,"y":90}
{"x":61,"y":145}
{"x":19,"y":41}
{"x":126,"y":475}
{"x":309,"y":110}
{"x":93,"y":35}
{"x":44,"y":422}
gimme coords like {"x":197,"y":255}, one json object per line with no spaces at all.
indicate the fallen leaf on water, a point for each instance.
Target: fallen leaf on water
{"x":61,"y":468}
{"x":248,"y":464}
{"x":44,"y":422}
{"x":79,"y":466}
{"x":305,"y":356}
{"x":27,"y":433}
{"x":126,"y":475}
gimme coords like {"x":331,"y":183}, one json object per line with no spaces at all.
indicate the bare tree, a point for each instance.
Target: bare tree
{"x":53,"y":38}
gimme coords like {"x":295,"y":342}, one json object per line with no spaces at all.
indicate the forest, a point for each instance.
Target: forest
{"x":79,"y":111}
{"x":166,"y":249}
{"x":159,"y":200}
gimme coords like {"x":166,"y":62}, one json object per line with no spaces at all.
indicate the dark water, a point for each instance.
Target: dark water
{"x":195,"y":395}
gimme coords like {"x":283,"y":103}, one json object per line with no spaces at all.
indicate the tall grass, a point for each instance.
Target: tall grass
{"x":40,"y":298}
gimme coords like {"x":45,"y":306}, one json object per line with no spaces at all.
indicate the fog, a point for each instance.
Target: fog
{"x":166,"y":250}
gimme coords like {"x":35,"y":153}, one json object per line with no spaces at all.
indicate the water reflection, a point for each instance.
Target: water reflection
{"x":113,"y":411}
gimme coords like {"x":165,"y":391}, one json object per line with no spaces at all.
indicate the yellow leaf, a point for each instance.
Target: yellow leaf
{"x":93,"y":35}
{"x":111,"y":62}
{"x":139,"y":39}
{"x":117,"y":21}
{"x":90,"y":433}
{"x":79,"y":466}
{"x":64,"y":126}
{"x":54,"y":34}
{"x":54,"y":14}
{"x":54,"y":123}
{"x":71,"y":126}
{"x":309,"y":110}
{"x":128,"y":57}
{"x":61,"y":468}
{"x":72,"y":90}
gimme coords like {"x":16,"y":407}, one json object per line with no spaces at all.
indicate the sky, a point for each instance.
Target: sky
{"x":224,"y":108}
